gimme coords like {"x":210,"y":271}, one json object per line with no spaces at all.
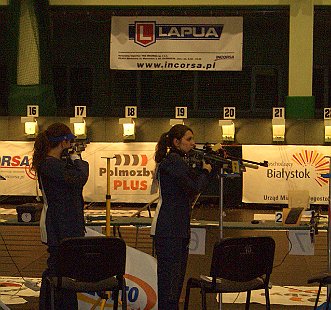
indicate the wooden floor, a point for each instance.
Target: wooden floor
{"x":32,"y":304}
{"x":22,"y":254}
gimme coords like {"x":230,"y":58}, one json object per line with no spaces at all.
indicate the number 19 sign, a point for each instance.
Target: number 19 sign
{"x":181,"y":112}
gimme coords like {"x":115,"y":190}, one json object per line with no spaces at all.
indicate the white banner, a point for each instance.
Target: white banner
{"x":176,"y":43}
{"x":15,"y":161}
{"x":131,"y":170}
{"x":290,"y":168}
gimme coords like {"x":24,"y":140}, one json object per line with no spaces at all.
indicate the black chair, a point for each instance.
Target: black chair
{"x":323,"y":279}
{"x":238,"y":265}
{"x":91,"y":264}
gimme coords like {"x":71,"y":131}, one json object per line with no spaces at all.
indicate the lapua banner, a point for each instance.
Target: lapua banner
{"x":176,"y":43}
{"x":290,"y":168}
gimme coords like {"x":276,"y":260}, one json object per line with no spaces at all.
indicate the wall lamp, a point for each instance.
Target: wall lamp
{"x":176,"y":121}
{"x":79,"y":126}
{"x":278,"y":129}
{"x":30,"y":126}
{"x":129,"y":128}
{"x":228,"y":129}
{"x":327,"y":130}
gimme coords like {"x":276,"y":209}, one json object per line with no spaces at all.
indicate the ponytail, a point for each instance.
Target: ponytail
{"x":40,"y":150}
{"x":162,"y":147}
{"x":166,"y":141}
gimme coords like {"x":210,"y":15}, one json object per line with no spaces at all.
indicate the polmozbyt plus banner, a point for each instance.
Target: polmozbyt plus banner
{"x":131,"y":171}
{"x":290,"y":168}
{"x":176,"y":43}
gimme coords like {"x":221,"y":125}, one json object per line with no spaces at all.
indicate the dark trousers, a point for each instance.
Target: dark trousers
{"x":64,"y":299}
{"x":172,"y":255}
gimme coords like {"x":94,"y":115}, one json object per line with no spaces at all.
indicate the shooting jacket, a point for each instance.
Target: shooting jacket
{"x":179,"y":184}
{"x":62,"y":185}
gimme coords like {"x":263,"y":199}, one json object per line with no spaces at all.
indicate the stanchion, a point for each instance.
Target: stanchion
{"x":105,"y":295}
{"x":328,"y":176}
{"x":221,"y":177}
{"x":108,"y":197}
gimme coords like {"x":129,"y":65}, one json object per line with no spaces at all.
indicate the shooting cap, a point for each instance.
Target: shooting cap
{"x":61,"y":138}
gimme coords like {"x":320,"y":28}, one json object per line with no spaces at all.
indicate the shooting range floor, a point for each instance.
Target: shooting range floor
{"x":32,"y":304}
{"x":32,"y":301}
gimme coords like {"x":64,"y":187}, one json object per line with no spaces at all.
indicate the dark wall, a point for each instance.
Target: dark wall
{"x":81,"y":39}
{"x":3,"y":63}
{"x":80,"y":56}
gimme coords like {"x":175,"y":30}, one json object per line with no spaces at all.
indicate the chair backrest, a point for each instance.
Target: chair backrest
{"x":243,"y":259}
{"x":91,"y":259}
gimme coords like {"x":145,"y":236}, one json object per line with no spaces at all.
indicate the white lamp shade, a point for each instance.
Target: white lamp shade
{"x":278,"y":129}
{"x":80,"y":129}
{"x":30,"y":128}
{"x":128,"y":129}
{"x":176,"y":121}
{"x":327,"y":130}
{"x":228,"y":129}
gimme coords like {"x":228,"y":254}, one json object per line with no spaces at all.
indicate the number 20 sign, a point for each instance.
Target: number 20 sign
{"x":229,"y":112}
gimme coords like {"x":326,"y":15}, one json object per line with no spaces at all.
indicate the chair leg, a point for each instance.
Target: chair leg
{"x":248,"y":300}
{"x":328,"y":301}
{"x":124,"y":300}
{"x":318,"y":296}
{"x":52,"y":289}
{"x":267,"y":298}
{"x":115,"y":294}
{"x":203,"y":299}
{"x":187,"y":294}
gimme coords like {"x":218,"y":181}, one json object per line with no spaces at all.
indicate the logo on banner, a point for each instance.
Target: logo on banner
{"x":139,"y":293}
{"x":317,"y":160}
{"x":147,"y":33}
{"x":14,"y":164}
{"x":130,"y":172}
{"x":313,"y":163}
{"x":144,"y":33}
{"x":134,"y":160}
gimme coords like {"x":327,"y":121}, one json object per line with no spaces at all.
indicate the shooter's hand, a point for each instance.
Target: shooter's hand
{"x":74,"y":156}
{"x":206,"y":166}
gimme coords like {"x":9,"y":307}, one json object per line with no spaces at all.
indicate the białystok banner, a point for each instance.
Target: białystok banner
{"x":290,"y":168}
{"x":176,"y":43}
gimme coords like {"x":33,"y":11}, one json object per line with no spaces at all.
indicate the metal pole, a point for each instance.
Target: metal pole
{"x":108,"y":197}
{"x":221,"y":182}
{"x":329,"y":228}
{"x":220,"y":225}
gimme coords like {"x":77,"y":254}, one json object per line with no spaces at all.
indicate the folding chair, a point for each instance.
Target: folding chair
{"x":91,"y":264}
{"x":323,"y":279}
{"x":238,"y":265}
